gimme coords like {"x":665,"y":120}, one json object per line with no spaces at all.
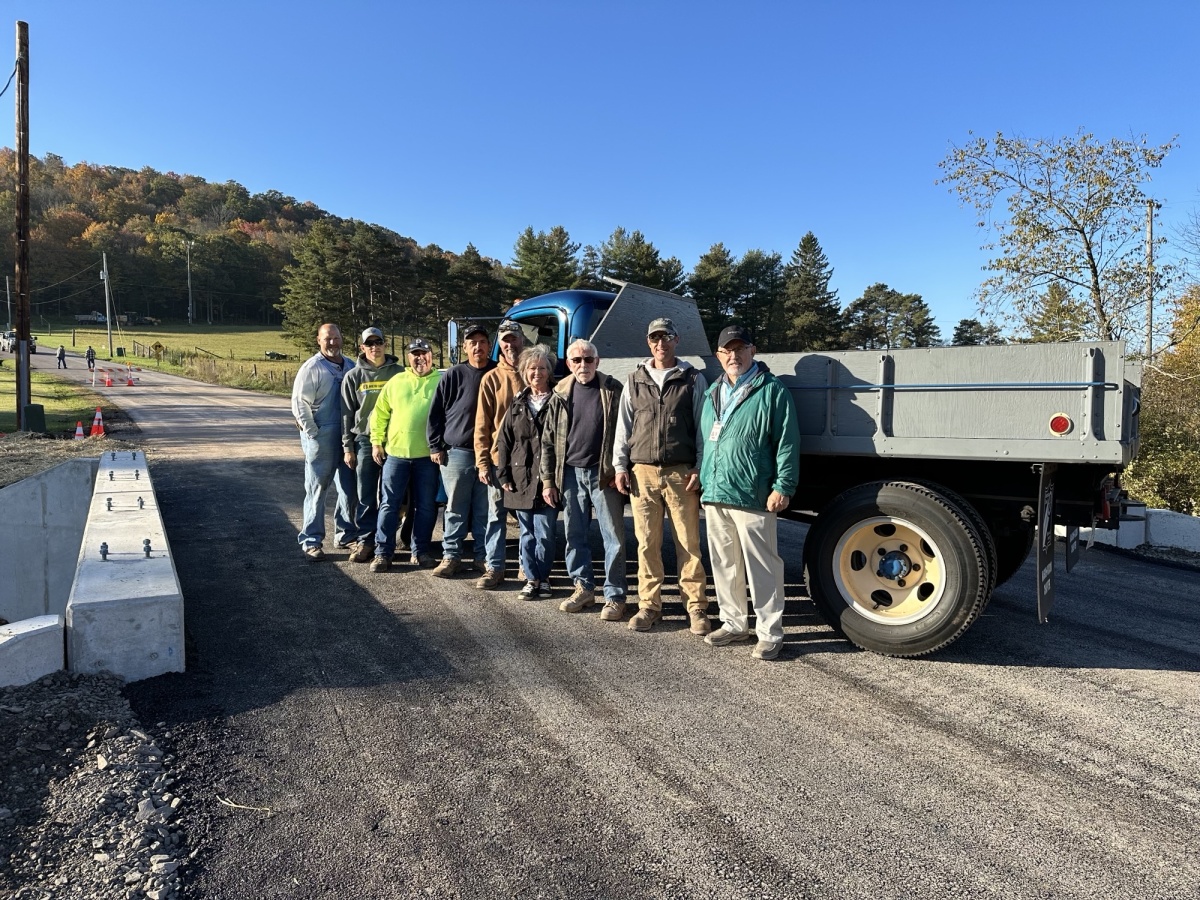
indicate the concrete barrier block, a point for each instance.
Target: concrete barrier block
{"x":30,"y":649}
{"x":1128,"y":537}
{"x":1171,"y":529}
{"x":125,"y":613}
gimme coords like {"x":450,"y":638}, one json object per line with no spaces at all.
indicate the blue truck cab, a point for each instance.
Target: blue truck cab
{"x":557,"y":318}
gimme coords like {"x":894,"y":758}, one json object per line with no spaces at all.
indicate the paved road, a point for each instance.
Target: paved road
{"x":410,"y":736}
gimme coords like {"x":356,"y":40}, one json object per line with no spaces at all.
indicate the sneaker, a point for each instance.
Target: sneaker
{"x":766,"y":649}
{"x":644,"y":619}
{"x":699,"y":622}
{"x":492,"y":578}
{"x":544,"y":592}
{"x":581,"y":599}
{"x":724,"y":635}
{"x":363,"y":551}
{"x":447,"y":568}
{"x":314,"y":552}
{"x":529,"y":591}
{"x":423,"y":561}
{"x":614,"y":611}
{"x":381,"y":563}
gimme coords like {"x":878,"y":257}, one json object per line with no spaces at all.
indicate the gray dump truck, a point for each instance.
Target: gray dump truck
{"x":926,"y":475}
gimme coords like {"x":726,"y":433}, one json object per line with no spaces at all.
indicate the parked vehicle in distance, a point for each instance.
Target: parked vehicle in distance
{"x":95,"y":317}
{"x":926,"y":474}
{"x":8,"y":342}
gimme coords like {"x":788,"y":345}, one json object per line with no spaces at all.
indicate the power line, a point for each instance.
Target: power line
{"x":65,"y":280}
{"x":9,"y":84}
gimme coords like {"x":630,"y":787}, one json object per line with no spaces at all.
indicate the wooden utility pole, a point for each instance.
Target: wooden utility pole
{"x":22,"y":255}
{"x":1150,"y":204}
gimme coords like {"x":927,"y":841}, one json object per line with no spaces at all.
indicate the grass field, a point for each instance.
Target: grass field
{"x":234,"y":355}
{"x":65,"y":404}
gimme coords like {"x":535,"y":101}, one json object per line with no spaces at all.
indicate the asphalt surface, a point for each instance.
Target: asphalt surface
{"x":395,"y":735}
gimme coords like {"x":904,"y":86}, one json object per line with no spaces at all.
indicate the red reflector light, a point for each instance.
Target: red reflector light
{"x":1060,"y":423}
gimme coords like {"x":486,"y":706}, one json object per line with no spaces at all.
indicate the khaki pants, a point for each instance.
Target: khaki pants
{"x":659,"y":491}
{"x":743,"y":545}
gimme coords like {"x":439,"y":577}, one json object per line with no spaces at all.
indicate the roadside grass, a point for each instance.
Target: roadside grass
{"x":233,"y":355}
{"x":64,"y":403}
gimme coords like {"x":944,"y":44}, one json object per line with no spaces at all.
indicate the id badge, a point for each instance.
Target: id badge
{"x":716,"y":430}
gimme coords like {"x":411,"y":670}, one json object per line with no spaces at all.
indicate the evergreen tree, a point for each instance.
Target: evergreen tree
{"x":315,"y":289}
{"x":884,"y":319}
{"x":812,"y":316}
{"x":1057,"y":317}
{"x":543,"y":262}
{"x":758,"y":305}
{"x":711,"y":286}
{"x":973,"y":333}
{"x":589,"y":271}
{"x":630,"y":257}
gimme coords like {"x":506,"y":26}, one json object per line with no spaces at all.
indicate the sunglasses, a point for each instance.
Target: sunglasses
{"x":373,"y":342}
{"x":583,"y":359}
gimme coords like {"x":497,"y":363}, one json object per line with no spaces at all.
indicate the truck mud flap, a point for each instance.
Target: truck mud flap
{"x":1045,"y":541}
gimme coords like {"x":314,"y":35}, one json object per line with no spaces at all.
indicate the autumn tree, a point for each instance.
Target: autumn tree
{"x":1068,"y":211}
{"x":812,"y":315}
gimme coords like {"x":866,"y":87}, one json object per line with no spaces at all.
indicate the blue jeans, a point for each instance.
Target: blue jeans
{"x":466,"y":504}
{"x":366,"y":480}
{"x":419,"y":478}
{"x":581,"y":495}
{"x":537,"y":541}
{"x":497,"y":529}
{"x":323,"y":463}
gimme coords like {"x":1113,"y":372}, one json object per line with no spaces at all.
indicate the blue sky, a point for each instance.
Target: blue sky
{"x":748,"y":123}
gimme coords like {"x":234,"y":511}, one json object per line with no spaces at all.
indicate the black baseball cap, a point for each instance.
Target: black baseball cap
{"x":473,"y":328}
{"x":419,"y":345}
{"x":731,"y":333}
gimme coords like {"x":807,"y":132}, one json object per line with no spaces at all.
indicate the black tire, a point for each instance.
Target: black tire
{"x":1013,"y":545}
{"x":982,"y":532}
{"x":897,"y":568}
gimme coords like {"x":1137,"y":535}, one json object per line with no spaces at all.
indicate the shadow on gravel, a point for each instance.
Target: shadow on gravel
{"x":263,"y":621}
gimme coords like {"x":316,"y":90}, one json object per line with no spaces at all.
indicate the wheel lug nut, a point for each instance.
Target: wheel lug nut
{"x":900,"y":582}
{"x":904,"y":548}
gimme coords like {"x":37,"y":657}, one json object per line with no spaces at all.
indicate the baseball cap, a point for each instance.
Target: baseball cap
{"x":508,"y":326}
{"x":732,"y":333}
{"x":473,"y":328}
{"x":663,"y":324}
{"x":417,"y":345}
{"x":370,"y":333}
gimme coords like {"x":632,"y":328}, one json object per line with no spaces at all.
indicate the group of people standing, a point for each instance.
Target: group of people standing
{"x":500,"y":436}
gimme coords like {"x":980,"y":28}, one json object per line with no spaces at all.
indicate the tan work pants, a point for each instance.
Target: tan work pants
{"x":743,"y":544}
{"x":659,"y":491}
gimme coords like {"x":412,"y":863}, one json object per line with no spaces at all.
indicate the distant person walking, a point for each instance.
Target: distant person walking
{"x":90,"y":356}
{"x":62,"y":356}
{"x":317,"y":407}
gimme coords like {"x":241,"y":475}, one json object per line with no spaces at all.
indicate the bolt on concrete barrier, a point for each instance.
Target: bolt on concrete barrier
{"x":146,"y":547}
{"x":110,"y":475}
{"x":108,"y":501}
{"x":104,"y":550}
{"x":141,"y":503}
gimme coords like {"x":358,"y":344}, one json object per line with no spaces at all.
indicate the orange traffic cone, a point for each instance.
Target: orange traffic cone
{"x":129,"y":383}
{"x":79,"y":431}
{"x":107,"y":378}
{"x":97,"y":425}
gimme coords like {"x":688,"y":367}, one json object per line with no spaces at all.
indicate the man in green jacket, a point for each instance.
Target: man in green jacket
{"x":750,"y":467}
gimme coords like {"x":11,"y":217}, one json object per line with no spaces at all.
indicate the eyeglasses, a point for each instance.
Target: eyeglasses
{"x":726,"y":351}
{"x":583,"y":359}
{"x":373,"y":342}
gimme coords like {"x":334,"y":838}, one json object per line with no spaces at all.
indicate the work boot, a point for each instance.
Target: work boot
{"x":581,"y":599}
{"x":491,"y":580}
{"x":699,"y":622}
{"x":447,"y":568}
{"x":381,"y":563}
{"x":644,"y":619}
{"x":614,"y":611}
{"x":363,"y":552}
{"x":724,"y":635}
{"x":314,"y":552}
{"x":423,"y":561}
{"x":766,"y":649}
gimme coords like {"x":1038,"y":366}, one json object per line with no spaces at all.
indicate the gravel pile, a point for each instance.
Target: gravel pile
{"x":86,"y":804}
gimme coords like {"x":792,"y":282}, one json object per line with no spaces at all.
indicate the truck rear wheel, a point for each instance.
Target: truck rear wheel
{"x":898,"y":568}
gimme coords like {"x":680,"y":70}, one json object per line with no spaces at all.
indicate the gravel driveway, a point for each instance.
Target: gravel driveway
{"x":343,"y":734}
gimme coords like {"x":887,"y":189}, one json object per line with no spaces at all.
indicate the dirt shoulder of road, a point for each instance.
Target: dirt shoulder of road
{"x":23,"y":454}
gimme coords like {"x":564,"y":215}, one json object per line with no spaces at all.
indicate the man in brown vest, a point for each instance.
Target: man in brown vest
{"x":656,"y":455}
